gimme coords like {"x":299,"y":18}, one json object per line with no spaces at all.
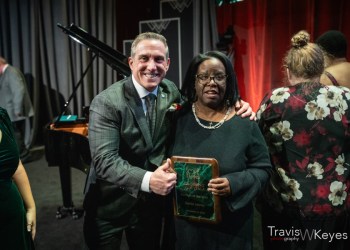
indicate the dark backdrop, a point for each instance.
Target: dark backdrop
{"x":54,"y":63}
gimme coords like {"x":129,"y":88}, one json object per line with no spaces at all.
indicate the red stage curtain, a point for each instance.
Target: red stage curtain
{"x":263,"y":29}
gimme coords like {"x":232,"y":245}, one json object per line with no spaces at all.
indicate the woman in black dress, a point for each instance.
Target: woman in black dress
{"x":209,"y":127}
{"x":17,"y":207}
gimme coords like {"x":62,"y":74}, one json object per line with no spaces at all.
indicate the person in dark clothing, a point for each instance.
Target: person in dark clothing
{"x":128,"y":183}
{"x":17,"y":206}
{"x":209,"y":127}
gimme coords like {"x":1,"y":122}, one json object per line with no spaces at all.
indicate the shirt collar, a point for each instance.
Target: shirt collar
{"x":141,"y":90}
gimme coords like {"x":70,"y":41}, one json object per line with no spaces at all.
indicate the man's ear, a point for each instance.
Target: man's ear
{"x":130,"y":62}
{"x":168,"y":64}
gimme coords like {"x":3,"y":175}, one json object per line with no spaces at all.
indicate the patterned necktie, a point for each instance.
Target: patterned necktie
{"x":151,"y":113}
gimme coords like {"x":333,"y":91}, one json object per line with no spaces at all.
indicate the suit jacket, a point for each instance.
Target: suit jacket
{"x":14,"y":96}
{"x":122,"y":148}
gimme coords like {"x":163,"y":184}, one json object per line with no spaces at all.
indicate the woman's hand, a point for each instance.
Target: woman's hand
{"x":31,"y":222}
{"x":219,"y":186}
{"x":20,"y":177}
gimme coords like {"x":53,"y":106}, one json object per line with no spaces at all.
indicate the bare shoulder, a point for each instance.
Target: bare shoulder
{"x":341,"y":72}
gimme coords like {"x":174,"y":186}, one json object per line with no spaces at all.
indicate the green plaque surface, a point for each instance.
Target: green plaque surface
{"x":192,"y":200}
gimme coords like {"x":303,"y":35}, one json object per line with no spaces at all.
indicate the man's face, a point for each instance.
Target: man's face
{"x":149,"y":64}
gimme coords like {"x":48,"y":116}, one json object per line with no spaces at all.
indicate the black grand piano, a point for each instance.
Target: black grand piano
{"x":66,"y":140}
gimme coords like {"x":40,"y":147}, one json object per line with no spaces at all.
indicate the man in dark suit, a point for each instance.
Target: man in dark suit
{"x":125,"y":185}
{"x":128,"y":181}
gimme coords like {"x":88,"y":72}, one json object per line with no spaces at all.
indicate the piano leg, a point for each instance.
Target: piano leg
{"x":66,"y":187}
{"x":66,"y":150}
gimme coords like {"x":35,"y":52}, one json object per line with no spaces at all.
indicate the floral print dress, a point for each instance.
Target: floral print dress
{"x":307,"y":130}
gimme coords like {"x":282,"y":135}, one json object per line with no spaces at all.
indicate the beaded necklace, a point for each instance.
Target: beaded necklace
{"x":217,"y":125}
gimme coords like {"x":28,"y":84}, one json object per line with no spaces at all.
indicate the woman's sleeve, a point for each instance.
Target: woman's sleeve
{"x":246,"y":184}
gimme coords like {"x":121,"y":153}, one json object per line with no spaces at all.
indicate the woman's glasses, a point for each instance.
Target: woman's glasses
{"x":219,"y":79}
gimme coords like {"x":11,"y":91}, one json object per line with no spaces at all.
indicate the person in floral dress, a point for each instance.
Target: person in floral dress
{"x":306,"y":126}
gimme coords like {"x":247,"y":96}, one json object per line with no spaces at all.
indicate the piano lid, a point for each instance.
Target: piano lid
{"x":112,"y":57}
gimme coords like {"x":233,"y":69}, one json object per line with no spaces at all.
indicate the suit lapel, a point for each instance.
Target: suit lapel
{"x":136,"y":108}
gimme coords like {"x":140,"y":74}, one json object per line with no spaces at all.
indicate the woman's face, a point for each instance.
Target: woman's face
{"x":211,"y":83}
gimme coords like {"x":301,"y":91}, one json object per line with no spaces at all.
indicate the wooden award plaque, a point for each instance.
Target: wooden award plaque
{"x":192,"y":199}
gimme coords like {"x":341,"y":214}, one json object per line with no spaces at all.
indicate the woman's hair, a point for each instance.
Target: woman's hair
{"x":304,"y":59}
{"x":188,"y":86}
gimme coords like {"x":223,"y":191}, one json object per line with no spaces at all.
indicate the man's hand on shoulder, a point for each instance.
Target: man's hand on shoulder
{"x":243,"y":109}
